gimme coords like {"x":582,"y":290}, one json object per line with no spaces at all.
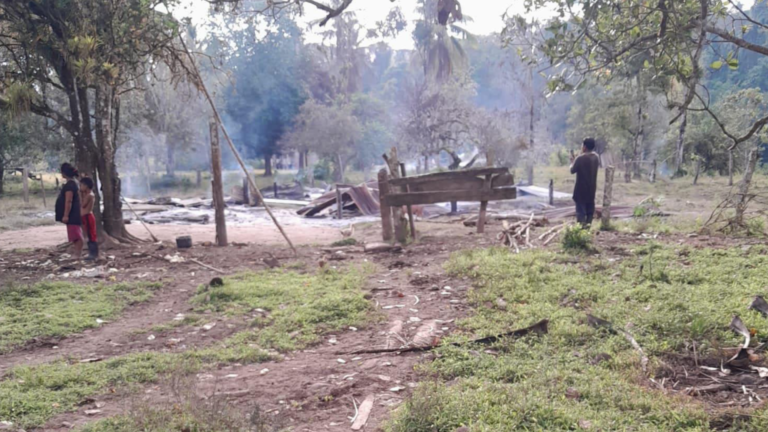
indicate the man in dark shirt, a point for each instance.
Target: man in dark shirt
{"x":585,"y":167}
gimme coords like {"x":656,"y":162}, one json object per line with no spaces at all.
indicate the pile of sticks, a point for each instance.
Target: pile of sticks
{"x":518,"y":236}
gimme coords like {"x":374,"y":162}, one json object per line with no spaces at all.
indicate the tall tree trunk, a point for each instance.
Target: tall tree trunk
{"x":302,"y":161}
{"x":531,"y":143}
{"x":426,"y":164}
{"x":170,"y":158}
{"x":744,"y":198}
{"x":2,"y":176}
{"x":110,"y":180}
{"x":638,"y":143}
{"x":730,"y":167}
{"x":680,"y":150}
{"x":268,"y":165}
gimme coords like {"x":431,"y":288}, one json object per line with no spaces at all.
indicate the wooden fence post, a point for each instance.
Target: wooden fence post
{"x":25,"y":184}
{"x":653,"y":171}
{"x":218,"y":186}
{"x":628,"y":172}
{"x":274,"y":187}
{"x":410,"y":208}
{"x":483,"y":206}
{"x":607,"y":198}
{"x":551,"y":192}
{"x":698,"y":171}
{"x":339,"y":203}
{"x":386,"y":211}
{"x":246,"y":192}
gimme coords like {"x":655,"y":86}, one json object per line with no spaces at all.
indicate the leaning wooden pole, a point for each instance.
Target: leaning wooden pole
{"x":607,"y":198}
{"x":217,"y":186}
{"x":232,"y":147}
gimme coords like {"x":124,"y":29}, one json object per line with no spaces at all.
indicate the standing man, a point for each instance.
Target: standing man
{"x":585,"y":166}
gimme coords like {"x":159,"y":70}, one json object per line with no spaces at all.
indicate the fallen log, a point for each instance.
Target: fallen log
{"x":541,"y":327}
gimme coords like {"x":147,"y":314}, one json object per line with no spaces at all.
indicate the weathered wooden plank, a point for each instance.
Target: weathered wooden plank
{"x":426,"y":178}
{"x":415,"y":198}
{"x":387,"y":231}
{"x":461,"y":183}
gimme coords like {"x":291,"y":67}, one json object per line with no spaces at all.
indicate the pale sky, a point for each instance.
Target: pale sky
{"x":486,"y":15}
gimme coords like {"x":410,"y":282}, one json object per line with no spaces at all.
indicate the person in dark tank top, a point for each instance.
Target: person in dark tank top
{"x":585,"y":166}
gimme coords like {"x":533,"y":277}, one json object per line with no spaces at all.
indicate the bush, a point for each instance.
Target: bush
{"x":577,"y":238}
{"x":560,"y":158}
{"x":322,"y":170}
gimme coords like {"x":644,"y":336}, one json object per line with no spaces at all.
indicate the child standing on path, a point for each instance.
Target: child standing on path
{"x":89,"y":221}
{"x":68,"y":208}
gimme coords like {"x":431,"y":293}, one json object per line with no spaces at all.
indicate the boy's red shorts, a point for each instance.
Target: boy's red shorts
{"x":89,"y":226}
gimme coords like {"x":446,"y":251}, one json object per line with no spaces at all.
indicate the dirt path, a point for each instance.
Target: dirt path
{"x":263,"y":234}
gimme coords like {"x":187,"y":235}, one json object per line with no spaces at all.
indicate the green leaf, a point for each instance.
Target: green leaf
{"x":733,"y":64}
{"x":647,"y":64}
{"x":716,"y":65}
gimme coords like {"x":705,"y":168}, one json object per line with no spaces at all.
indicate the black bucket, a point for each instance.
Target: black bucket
{"x":184,"y":242}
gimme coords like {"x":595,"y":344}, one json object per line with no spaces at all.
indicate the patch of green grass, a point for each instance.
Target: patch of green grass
{"x":30,"y":395}
{"x":296,"y":307}
{"x":552,"y":382}
{"x":301,"y":308}
{"x":577,"y":239}
{"x":349,"y":241}
{"x":55,"y":309}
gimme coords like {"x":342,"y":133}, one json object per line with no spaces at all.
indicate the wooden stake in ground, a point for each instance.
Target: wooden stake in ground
{"x":25,"y":184}
{"x":401,"y":234}
{"x":653,"y":171}
{"x":410,"y":207}
{"x":551,"y":192}
{"x":483,"y":206}
{"x":386,"y":211}
{"x":218,"y":186}
{"x":339,"y":204}
{"x":607,"y":198}
{"x":698,"y":170}
{"x":246,"y":192}
{"x":201,"y":85}
{"x":42,"y":188}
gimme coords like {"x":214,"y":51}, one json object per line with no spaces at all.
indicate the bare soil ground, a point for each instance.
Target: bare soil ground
{"x":263,"y":234}
{"x":310,"y":390}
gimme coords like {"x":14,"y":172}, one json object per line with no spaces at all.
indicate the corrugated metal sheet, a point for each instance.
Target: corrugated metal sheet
{"x":363,"y":197}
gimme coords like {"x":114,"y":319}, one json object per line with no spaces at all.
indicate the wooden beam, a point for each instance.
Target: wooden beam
{"x":427,"y":178}
{"x":484,"y":205}
{"x":218,"y":186}
{"x":386,"y":212}
{"x":415,"y":198}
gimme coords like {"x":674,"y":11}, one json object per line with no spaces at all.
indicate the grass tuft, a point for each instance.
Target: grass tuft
{"x":57,"y":309}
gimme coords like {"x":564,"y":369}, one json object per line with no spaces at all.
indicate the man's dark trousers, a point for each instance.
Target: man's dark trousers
{"x":585,"y":212}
